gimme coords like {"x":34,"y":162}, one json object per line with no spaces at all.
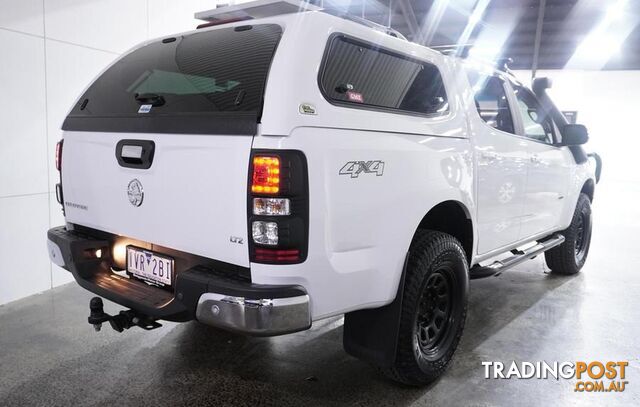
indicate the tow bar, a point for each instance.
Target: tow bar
{"x":124,"y":320}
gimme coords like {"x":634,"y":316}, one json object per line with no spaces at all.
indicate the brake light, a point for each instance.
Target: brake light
{"x":266,"y":175}
{"x":59,"y":155}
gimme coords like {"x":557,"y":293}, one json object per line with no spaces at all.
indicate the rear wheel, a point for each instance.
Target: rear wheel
{"x":569,"y":257}
{"x":434,"y":307}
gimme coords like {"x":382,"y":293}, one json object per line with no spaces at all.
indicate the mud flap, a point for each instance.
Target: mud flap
{"x":372,"y":334}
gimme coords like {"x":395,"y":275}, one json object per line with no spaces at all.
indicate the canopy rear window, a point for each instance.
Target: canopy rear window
{"x":207,"y":82}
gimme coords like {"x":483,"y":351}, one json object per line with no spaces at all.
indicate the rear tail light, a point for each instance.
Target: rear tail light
{"x":266,"y":175}
{"x":59,"y":155}
{"x":278,"y":207}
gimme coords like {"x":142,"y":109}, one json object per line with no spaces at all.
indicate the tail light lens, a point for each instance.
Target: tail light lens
{"x":272,"y":206}
{"x":277,"y":256}
{"x":278,"y":207}
{"x":59,"y":155}
{"x":265,"y":232}
{"x":266,"y":175}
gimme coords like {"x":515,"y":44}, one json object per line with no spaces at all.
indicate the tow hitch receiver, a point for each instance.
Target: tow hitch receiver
{"x":124,"y":320}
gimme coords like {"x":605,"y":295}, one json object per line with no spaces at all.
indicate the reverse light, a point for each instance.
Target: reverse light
{"x":266,"y":175}
{"x":59,"y":155}
{"x":265,"y":232}
{"x":271,"y":206}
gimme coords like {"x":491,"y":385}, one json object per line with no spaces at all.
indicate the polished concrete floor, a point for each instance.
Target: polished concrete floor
{"x":49,"y":355}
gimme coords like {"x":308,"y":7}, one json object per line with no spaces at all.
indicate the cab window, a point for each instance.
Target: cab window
{"x":491,"y":101}
{"x":537,"y":125}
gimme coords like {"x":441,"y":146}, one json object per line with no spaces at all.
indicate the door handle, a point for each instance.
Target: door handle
{"x":488,"y":155}
{"x":135,"y":153}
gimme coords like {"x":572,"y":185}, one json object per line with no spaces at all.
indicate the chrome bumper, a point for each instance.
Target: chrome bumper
{"x":259,"y":317}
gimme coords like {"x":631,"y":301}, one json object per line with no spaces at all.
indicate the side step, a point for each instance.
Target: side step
{"x":518,"y":257}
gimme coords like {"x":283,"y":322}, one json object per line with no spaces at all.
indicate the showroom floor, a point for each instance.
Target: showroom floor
{"x":49,"y":355}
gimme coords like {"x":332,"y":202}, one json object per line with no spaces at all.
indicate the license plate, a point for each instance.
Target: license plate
{"x":149,"y":266}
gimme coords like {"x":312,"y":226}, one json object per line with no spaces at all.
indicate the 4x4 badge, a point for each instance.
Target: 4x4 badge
{"x":135,"y":192}
{"x":355,"y":168}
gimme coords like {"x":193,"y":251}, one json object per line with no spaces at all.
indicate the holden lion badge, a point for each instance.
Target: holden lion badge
{"x":135,"y":192}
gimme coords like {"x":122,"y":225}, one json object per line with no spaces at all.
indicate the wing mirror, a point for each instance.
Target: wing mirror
{"x":574,"y":135}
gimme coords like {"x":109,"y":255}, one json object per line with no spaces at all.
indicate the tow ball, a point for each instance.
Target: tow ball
{"x":120,"y":322}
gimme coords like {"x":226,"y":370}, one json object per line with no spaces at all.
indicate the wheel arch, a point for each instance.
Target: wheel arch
{"x":454,"y":218}
{"x":372,"y":334}
{"x":588,"y":188}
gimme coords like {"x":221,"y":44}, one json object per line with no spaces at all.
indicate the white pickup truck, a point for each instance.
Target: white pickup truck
{"x":258,"y":175}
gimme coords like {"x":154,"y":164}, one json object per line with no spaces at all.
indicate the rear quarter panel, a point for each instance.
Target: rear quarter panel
{"x":360,"y":227}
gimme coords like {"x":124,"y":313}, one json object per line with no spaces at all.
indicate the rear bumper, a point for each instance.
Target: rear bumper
{"x":200,"y":291}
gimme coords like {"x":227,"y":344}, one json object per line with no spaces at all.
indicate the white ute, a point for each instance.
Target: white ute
{"x":260,"y":174}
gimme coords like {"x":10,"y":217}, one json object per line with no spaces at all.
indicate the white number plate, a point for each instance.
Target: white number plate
{"x":149,"y":266}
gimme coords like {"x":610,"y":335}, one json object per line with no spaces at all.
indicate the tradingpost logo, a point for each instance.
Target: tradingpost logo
{"x":590,"y":377}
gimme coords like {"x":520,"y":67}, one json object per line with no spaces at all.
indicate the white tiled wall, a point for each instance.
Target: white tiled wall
{"x":51,"y":49}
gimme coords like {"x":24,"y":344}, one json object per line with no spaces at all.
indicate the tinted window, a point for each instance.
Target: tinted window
{"x":207,"y":72}
{"x":537,"y":125}
{"x":491,"y":101}
{"x":360,"y":74}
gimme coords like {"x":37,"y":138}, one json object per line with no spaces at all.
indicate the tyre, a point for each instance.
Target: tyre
{"x":570,"y":256}
{"x":434,"y":308}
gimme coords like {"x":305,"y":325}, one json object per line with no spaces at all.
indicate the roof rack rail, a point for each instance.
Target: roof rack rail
{"x":368,"y":23}
{"x":255,"y":9}
{"x":461,"y":50}
{"x":269,"y":8}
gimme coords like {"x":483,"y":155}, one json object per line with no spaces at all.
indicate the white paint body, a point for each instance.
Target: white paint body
{"x":360,"y":228}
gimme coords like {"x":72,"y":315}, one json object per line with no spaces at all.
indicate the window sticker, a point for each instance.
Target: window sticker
{"x":355,"y":96}
{"x":145,"y":108}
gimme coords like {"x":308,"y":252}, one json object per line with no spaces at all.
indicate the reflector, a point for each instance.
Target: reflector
{"x":275,"y":255}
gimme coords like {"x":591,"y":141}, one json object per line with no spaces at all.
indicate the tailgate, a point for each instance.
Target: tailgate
{"x":194,"y":194}
{"x":195,"y":99}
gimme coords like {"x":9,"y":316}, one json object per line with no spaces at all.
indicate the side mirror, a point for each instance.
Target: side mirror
{"x":574,"y":135}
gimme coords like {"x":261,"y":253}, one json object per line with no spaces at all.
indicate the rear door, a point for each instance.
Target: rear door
{"x":158,"y":147}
